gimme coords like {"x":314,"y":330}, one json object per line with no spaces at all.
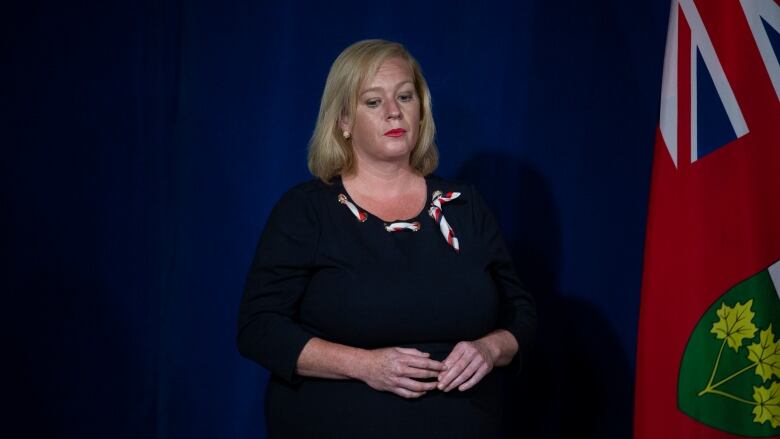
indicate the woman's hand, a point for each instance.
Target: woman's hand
{"x":470,"y":361}
{"x":467,"y":364}
{"x":398,"y":370}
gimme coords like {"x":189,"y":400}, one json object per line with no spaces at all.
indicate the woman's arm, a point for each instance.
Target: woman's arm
{"x":395,"y":370}
{"x":502,"y":346}
{"x":268,"y":330}
{"x":470,"y":361}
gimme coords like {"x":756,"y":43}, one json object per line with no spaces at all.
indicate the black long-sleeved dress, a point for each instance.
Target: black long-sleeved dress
{"x":320,"y":272}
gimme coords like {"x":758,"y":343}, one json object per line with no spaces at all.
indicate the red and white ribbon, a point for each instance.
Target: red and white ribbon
{"x":435,"y":212}
{"x":361,"y":216}
{"x":401,"y":225}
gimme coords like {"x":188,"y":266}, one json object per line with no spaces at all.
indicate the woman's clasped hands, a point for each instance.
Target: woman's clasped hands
{"x":409,"y":372}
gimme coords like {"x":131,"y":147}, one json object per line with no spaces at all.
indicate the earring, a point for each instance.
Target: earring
{"x":346,"y":135}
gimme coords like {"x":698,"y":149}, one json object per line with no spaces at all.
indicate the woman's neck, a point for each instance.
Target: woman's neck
{"x":389,"y":179}
{"x":388,"y":194}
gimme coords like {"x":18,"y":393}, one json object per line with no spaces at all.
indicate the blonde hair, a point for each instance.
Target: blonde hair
{"x":329,"y":153}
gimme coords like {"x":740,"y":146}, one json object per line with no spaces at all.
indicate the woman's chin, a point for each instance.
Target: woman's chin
{"x":389,"y":155}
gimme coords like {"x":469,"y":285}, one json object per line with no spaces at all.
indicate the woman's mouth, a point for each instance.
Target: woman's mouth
{"x":395,"y":132}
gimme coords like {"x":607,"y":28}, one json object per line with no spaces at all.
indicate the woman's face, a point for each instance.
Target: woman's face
{"x":387,"y":120}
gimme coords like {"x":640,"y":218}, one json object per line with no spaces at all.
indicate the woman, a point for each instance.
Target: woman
{"x":381,"y":297}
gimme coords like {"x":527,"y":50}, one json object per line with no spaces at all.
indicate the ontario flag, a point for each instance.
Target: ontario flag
{"x":708,"y":354}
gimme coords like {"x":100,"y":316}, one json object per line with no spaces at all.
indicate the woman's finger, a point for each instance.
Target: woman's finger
{"x":476,"y":378}
{"x":455,"y":355}
{"x":414,"y":385}
{"x":412,"y":351}
{"x":413,"y":372}
{"x":423,"y":363}
{"x":454,"y":370}
{"x":408,"y":394}
{"x":467,"y":373}
{"x":454,"y":365}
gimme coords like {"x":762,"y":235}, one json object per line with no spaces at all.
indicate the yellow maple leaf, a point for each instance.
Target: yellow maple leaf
{"x":767,"y":404}
{"x":766,"y":354}
{"x":735,"y":324}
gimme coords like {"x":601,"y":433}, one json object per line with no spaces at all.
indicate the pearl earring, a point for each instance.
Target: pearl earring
{"x":346,"y":135}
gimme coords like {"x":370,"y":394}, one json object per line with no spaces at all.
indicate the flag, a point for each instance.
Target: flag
{"x":708,"y":351}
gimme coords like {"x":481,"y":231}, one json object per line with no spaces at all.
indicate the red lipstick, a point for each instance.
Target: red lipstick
{"x":395,"y":132}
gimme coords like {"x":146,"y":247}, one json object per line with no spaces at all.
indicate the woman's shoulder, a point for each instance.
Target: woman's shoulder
{"x":436,"y":182}
{"x":308,"y":189}
{"x":304,"y":194}
{"x":467,"y":190}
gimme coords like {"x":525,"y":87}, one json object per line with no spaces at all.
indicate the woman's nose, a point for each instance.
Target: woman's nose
{"x":393,"y":111}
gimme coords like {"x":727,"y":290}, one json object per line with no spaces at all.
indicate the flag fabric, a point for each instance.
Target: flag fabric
{"x":708,"y":352}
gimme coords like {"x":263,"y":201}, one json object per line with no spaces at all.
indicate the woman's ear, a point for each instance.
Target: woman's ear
{"x":346,"y":126}
{"x":345,"y":123}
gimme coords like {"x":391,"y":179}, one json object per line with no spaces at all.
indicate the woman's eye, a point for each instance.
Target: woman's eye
{"x":372,"y":103}
{"x":405,"y":98}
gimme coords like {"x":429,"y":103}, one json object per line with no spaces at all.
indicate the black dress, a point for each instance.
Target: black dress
{"x":320,"y":272}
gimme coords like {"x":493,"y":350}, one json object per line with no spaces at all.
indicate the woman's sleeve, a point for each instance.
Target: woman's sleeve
{"x":518,"y":311}
{"x":268,"y":330}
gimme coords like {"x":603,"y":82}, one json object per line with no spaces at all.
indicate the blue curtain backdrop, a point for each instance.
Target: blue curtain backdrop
{"x":144,"y":143}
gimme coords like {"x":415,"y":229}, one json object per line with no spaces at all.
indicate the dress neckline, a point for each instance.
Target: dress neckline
{"x":428,"y":197}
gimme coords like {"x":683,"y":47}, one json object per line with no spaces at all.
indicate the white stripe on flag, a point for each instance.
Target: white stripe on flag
{"x":668,"y":118}
{"x":757,"y":13}
{"x":774,"y":274}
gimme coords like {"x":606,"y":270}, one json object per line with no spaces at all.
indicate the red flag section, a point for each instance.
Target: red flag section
{"x":706,"y":365}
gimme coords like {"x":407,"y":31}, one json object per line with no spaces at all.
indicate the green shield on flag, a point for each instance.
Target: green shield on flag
{"x":730,"y":372}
